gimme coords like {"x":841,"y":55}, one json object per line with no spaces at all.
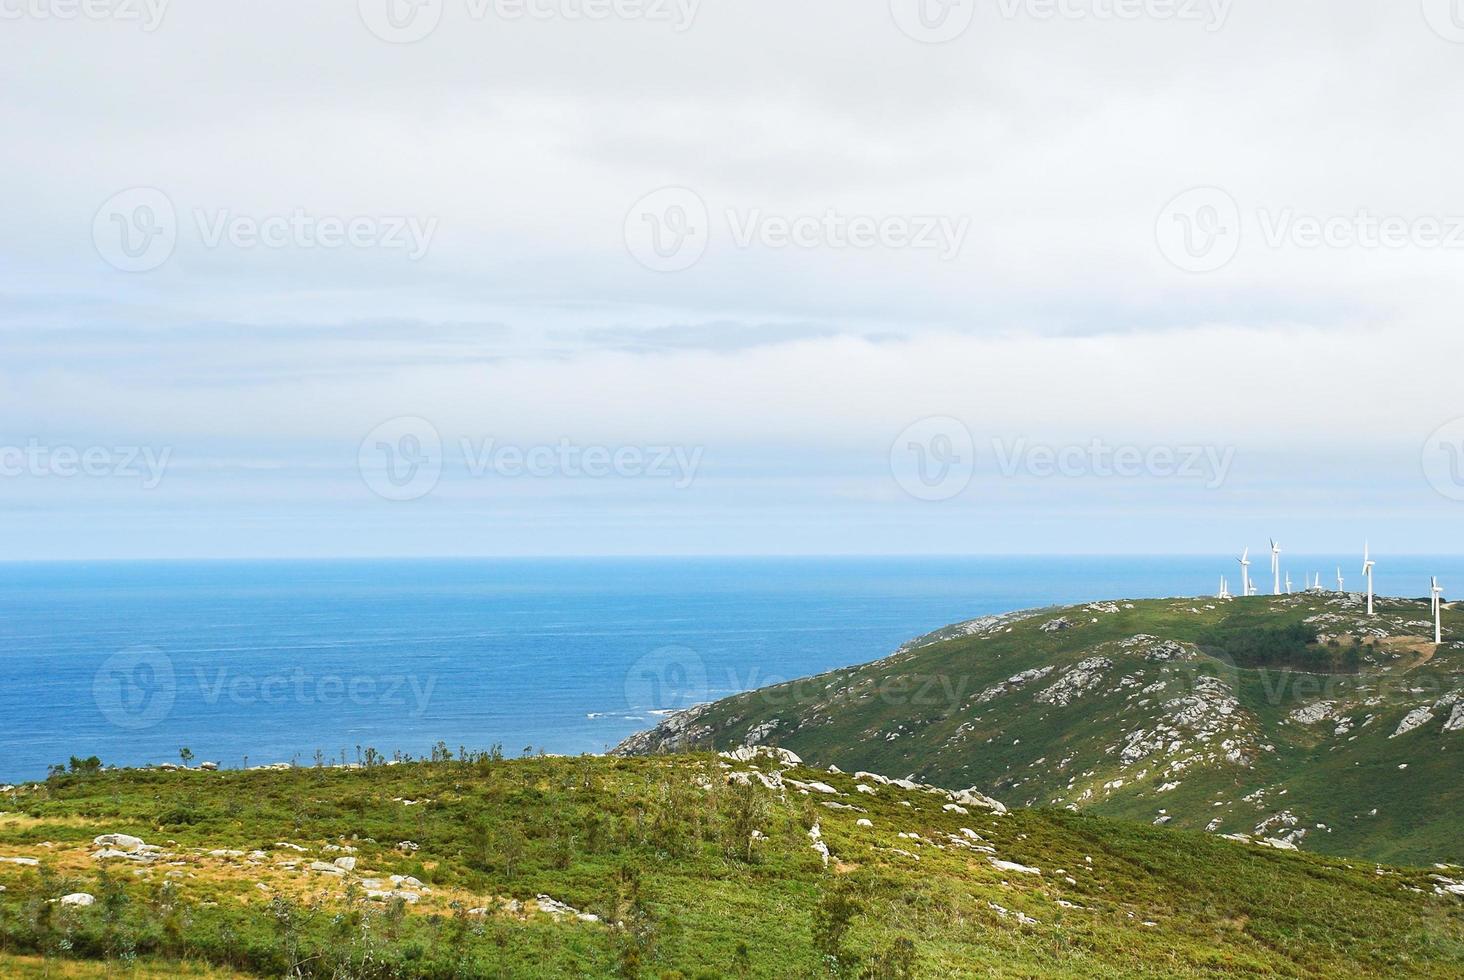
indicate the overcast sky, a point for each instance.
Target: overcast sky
{"x":737,"y":276}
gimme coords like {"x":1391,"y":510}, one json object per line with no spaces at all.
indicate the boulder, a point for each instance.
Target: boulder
{"x":78,"y":899}
{"x":970,"y":797}
{"x":411,"y":898}
{"x":122,"y":842}
{"x":747,"y":753}
{"x":1416,"y":718}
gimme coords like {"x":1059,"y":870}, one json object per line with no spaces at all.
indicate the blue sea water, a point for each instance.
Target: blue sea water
{"x":272,"y":661}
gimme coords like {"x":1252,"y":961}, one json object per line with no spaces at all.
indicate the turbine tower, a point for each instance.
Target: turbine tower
{"x":1275,"y":568}
{"x":1288,"y":583}
{"x":1224,"y":592}
{"x":1339,"y":580}
{"x":1438,"y":612}
{"x":1245,"y":586}
{"x":1367,"y":570}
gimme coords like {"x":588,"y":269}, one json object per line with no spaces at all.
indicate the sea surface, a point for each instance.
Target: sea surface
{"x":261,"y":662}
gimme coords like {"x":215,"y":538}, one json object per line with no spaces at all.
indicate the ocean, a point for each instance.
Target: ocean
{"x":261,"y":662}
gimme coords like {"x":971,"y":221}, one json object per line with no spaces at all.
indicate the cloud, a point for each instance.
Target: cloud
{"x":1060,"y":318}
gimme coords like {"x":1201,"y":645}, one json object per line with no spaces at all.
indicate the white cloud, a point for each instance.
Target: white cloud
{"x":1060,"y":318}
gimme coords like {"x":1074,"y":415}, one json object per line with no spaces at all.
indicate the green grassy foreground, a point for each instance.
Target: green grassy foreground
{"x":1284,"y":717}
{"x":691,"y":866}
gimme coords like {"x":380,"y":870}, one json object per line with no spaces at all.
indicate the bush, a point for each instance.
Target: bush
{"x":1295,"y":647}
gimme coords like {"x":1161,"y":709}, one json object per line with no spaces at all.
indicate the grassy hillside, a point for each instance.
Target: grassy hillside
{"x":677,"y":866}
{"x":1272,"y":717}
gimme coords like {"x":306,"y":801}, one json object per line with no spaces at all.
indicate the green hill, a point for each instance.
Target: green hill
{"x":1293,"y":718}
{"x":675,"y":866}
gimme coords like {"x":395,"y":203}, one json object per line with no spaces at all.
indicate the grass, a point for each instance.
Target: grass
{"x":661,"y":851}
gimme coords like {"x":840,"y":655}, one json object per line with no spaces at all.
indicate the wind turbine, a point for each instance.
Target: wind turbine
{"x":1367,"y":570}
{"x":1438,"y":612}
{"x":1224,"y":592}
{"x":1245,"y":587}
{"x":1275,"y":567}
{"x":1317,"y":585}
{"x":1288,"y":583}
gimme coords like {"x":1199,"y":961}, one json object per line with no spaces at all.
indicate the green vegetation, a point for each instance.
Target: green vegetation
{"x":1277,"y":717}
{"x":689,"y":864}
{"x":1295,"y":646}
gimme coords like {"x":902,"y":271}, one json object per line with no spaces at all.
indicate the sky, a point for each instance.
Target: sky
{"x":564,"y":277}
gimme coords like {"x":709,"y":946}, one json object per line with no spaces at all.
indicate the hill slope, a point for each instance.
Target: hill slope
{"x":684,"y":866}
{"x":1197,"y":713}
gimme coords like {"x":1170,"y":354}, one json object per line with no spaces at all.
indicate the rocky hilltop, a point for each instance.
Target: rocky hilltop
{"x":1296,"y":720}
